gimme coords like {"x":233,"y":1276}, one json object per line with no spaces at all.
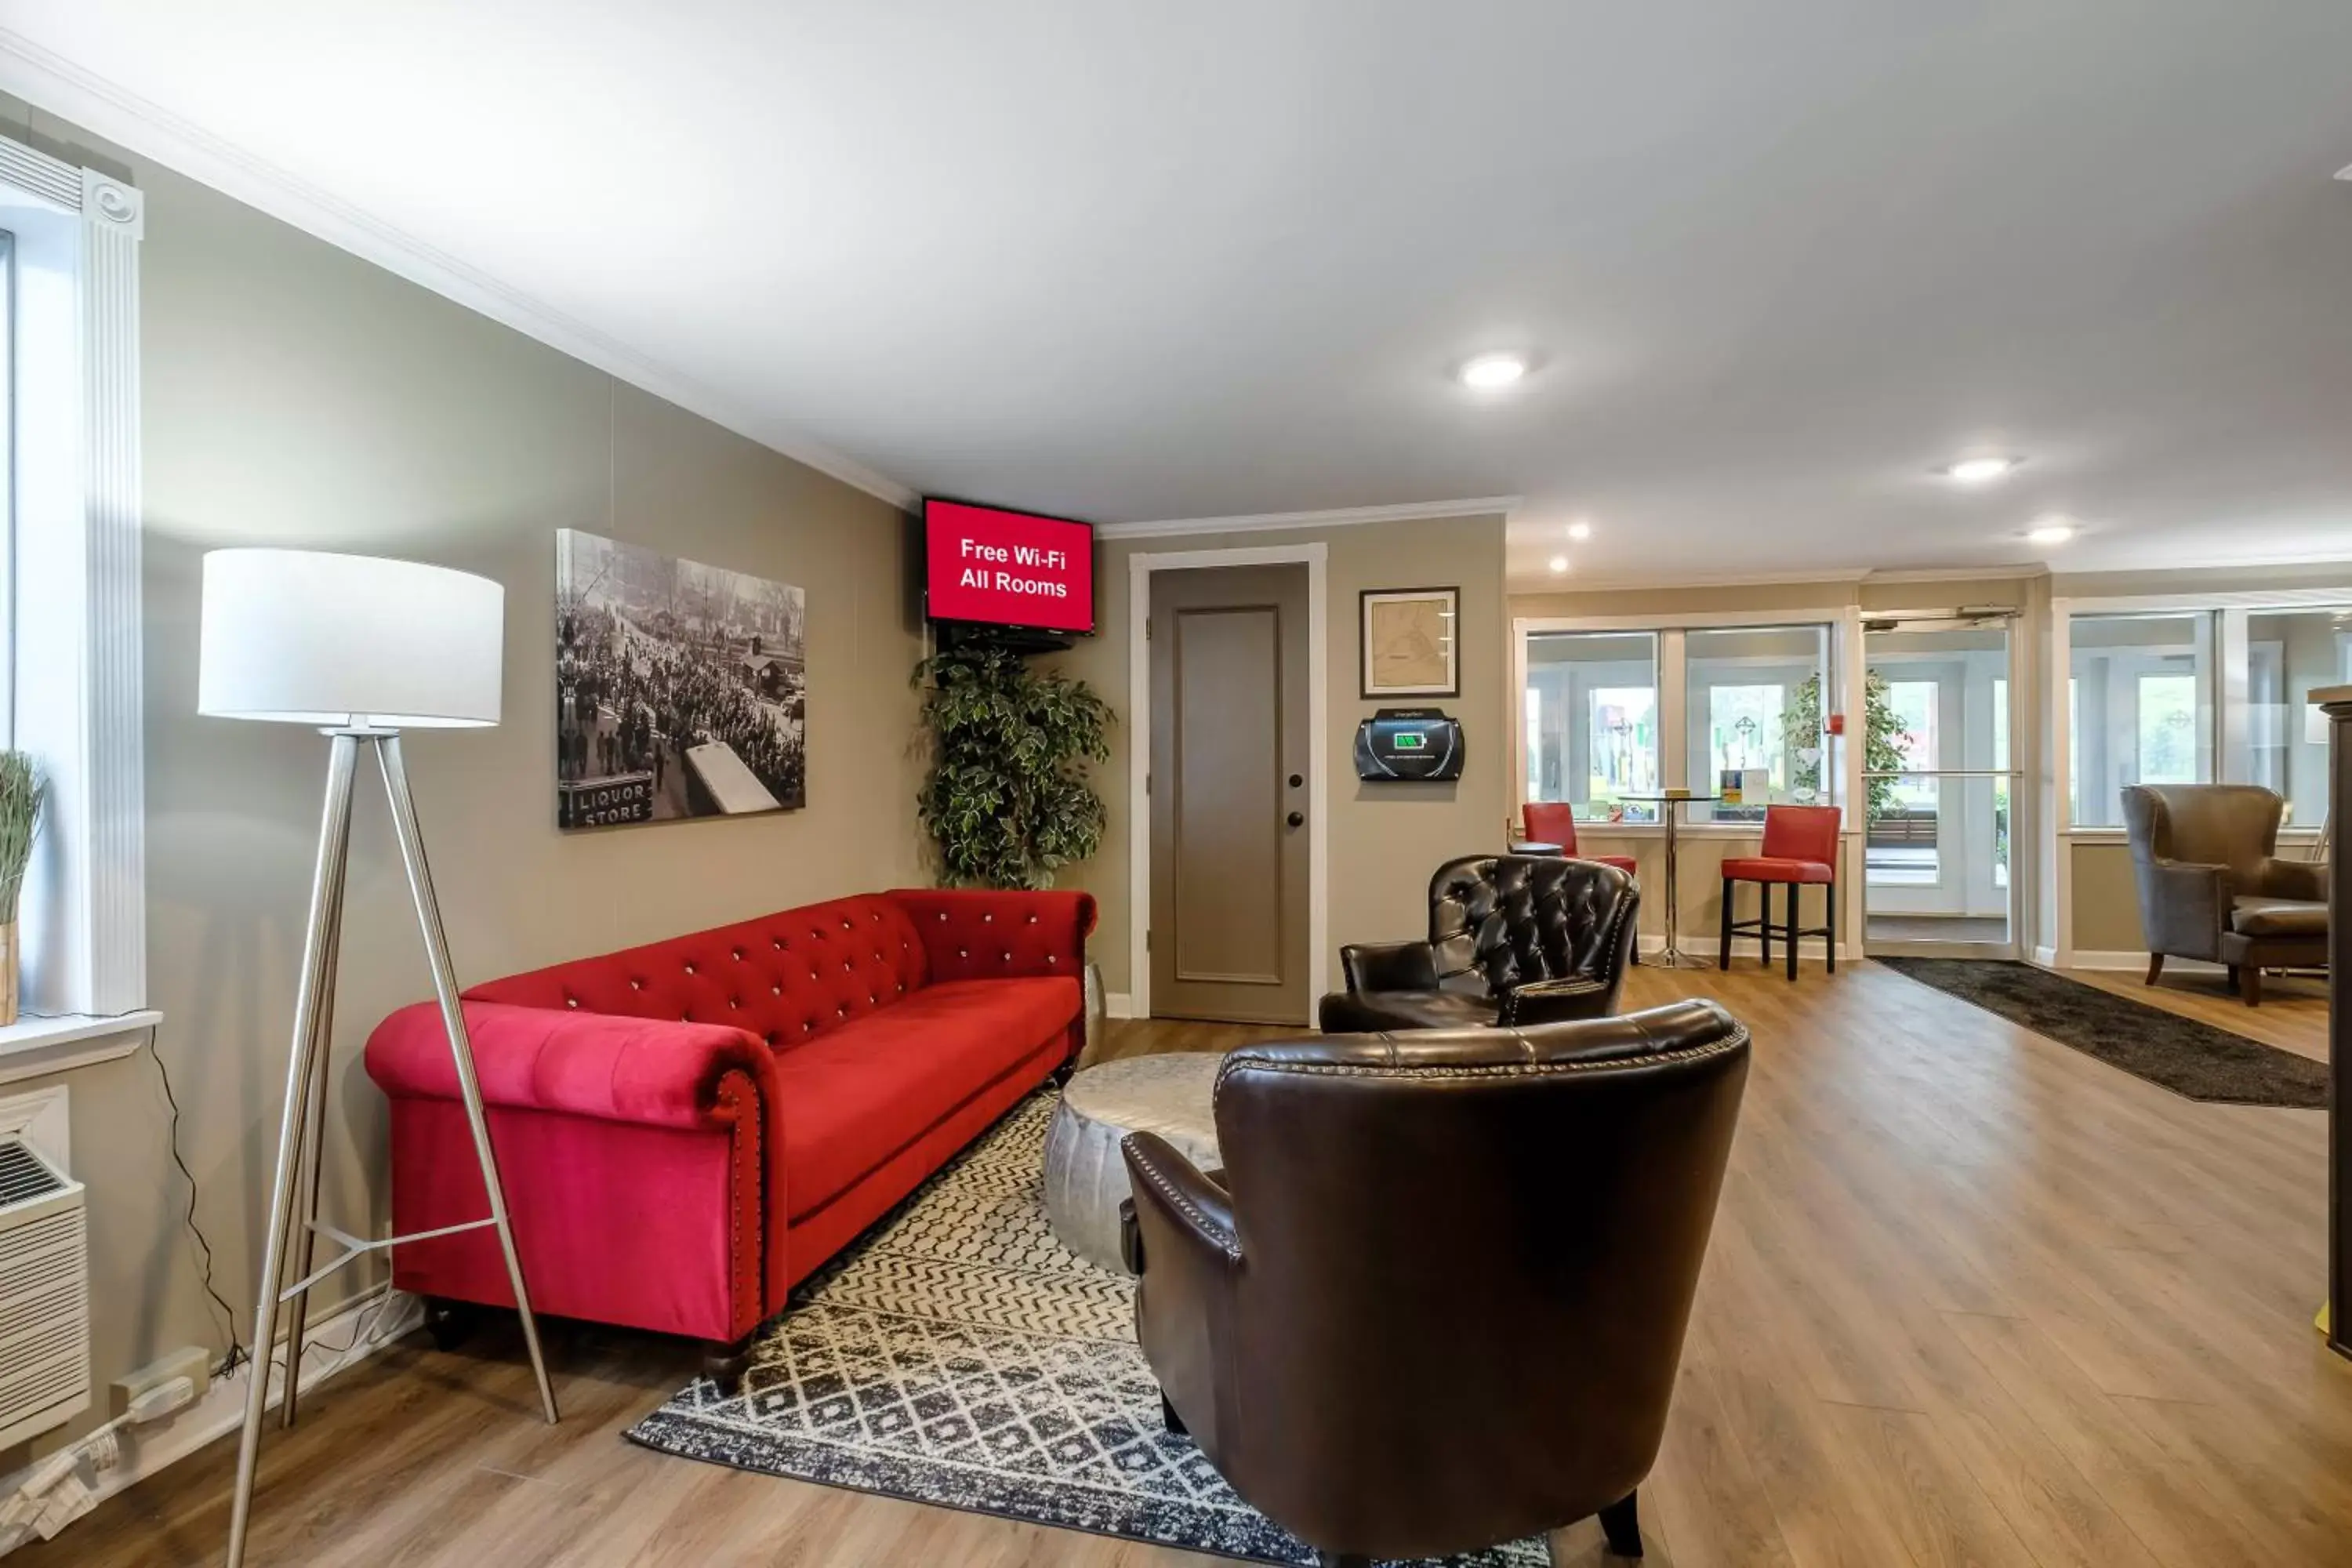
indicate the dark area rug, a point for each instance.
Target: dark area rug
{"x":2190,"y":1059}
{"x":960,"y":1355}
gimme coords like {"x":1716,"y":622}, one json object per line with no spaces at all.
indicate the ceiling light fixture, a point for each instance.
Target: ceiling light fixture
{"x":2345,"y":173}
{"x":1580,"y":531}
{"x":1980,"y":470}
{"x":1559,"y":564}
{"x":2049,"y":530}
{"x":1488,"y":372}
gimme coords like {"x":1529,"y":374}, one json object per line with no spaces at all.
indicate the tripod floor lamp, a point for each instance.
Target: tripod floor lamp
{"x":360,"y":648}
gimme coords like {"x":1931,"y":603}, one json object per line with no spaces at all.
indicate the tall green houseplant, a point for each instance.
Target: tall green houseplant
{"x":1882,"y":753}
{"x":1006,"y":801}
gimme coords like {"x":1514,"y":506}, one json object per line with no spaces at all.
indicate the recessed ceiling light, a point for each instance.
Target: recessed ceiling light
{"x":2345,"y":173}
{"x":1488,"y":372}
{"x":2049,"y":530}
{"x":1980,"y":470}
{"x":1580,"y":530}
{"x":1559,"y":564}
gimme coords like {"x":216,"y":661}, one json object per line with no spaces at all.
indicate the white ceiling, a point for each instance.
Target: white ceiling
{"x":1777,"y":258}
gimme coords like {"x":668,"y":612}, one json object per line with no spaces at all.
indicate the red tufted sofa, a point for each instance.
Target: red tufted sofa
{"x":687,"y":1130}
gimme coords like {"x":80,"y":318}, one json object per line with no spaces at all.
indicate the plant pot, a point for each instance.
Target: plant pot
{"x":8,"y":965}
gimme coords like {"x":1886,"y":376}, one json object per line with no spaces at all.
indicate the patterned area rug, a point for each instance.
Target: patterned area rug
{"x":2190,"y":1059}
{"x":960,"y":1355}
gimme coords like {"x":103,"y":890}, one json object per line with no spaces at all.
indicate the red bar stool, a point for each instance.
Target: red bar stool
{"x":1554,"y":821}
{"x":1800,"y":845}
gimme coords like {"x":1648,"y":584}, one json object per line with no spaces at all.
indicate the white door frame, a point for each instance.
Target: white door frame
{"x":1139,"y":568}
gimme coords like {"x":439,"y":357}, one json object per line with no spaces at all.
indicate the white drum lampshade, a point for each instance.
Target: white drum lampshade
{"x":300,"y":636}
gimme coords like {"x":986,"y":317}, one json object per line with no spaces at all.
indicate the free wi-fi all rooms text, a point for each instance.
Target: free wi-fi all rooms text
{"x":994,"y":557}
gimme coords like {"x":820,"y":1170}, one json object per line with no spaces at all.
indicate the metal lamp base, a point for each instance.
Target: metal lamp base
{"x":294,"y":1225}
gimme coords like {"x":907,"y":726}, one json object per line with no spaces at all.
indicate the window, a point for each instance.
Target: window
{"x":73,"y":520}
{"x":1592,"y":714}
{"x":1607,"y":720}
{"x":1754,"y":715}
{"x":2152,"y":700}
{"x":2142,"y":707}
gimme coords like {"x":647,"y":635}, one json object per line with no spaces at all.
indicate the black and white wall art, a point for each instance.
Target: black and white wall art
{"x":681,"y":689}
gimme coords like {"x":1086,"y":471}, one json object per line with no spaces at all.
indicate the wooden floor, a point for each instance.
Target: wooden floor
{"x":1973,"y":1298}
{"x":2292,"y":1017}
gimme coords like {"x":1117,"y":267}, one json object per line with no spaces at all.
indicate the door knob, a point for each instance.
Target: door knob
{"x":1296,"y":817}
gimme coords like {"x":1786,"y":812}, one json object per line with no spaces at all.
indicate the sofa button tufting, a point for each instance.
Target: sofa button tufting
{"x":689,"y":969}
{"x":1053,"y":958}
{"x":845,"y":925}
{"x":779,"y":944}
{"x":735,"y":1004}
{"x":988,"y":920}
{"x":636,"y":986}
{"x":944,"y":917}
{"x":843,"y":1009}
{"x":572,"y":1001}
{"x":738,"y":955}
{"x":1033,"y":917}
{"x":846,"y":965}
{"x":964,"y":952}
{"x":775,"y":991}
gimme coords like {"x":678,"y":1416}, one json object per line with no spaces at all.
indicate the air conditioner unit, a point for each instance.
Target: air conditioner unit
{"x":44,"y":1294}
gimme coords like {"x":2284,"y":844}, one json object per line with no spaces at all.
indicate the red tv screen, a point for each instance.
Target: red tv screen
{"x":1008,"y":568}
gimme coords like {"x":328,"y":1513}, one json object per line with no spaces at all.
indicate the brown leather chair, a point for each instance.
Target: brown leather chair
{"x":2213,"y":887}
{"x":1435,"y":1299}
{"x":1512,"y":940}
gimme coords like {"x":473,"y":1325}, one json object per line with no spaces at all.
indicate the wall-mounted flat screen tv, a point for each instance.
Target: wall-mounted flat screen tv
{"x":988,"y":566}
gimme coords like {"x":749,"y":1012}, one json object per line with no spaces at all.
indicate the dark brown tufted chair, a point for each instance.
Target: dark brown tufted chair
{"x":2212,"y":885}
{"x":1512,"y":940}
{"x":1435,"y":1299}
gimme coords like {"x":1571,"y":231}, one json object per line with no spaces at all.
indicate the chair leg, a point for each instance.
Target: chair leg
{"x":2250,"y":983}
{"x":1831,"y":890}
{"x":2233,"y":981}
{"x":1723,"y":948}
{"x":1794,"y":888}
{"x":1168,"y":1418}
{"x":1621,"y":1523}
{"x":2155,"y":967}
{"x":1343,"y":1559}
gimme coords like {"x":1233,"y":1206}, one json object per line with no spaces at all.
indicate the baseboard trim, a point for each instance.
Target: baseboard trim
{"x":343,"y":1338}
{"x":2082,"y":959}
{"x":1119,"y":1004}
{"x":1811,"y":949}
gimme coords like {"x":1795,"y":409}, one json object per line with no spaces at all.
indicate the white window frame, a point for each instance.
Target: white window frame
{"x":2227,"y":735}
{"x":74,"y":673}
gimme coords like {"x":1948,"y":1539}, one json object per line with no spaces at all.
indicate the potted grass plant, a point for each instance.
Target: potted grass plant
{"x":22,"y":795}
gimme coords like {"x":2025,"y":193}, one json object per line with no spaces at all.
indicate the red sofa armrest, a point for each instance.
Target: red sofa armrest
{"x":646,"y":1071}
{"x":542,"y":1070}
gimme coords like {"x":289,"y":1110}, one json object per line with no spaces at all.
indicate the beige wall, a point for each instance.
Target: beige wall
{"x":2105,"y":898}
{"x":296,"y":395}
{"x":1385,"y":839}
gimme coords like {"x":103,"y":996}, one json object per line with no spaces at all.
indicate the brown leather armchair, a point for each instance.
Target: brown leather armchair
{"x":1435,"y":1300}
{"x":2211,"y":886}
{"x":1515,"y":940}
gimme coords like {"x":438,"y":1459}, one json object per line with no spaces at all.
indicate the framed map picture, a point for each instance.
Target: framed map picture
{"x":1409,"y":648}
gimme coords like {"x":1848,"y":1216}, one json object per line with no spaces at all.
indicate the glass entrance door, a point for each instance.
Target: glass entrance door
{"x":1940,"y":784}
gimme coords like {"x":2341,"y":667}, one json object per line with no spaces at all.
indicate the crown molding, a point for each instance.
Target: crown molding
{"x":2014,"y":569}
{"x":1338,"y":517}
{"x":1532,"y":587}
{"x":59,"y":87}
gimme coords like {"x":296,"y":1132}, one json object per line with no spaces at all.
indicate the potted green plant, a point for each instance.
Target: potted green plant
{"x":1006,"y":801}
{"x":23,"y":793}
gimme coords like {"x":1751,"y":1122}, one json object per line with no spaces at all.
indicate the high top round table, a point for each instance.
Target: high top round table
{"x":1086,"y":1176}
{"x":1669,"y":812}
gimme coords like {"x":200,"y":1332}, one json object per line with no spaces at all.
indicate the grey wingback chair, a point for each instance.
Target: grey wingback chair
{"x":2212,"y":885}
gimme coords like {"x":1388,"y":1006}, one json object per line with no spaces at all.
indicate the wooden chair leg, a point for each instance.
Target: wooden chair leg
{"x":1794,"y":888}
{"x":2155,"y":967}
{"x":2250,"y":983}
{"x":1723,"y":948}
{"x":1831,"y":891}
{"x":724,"y":1362}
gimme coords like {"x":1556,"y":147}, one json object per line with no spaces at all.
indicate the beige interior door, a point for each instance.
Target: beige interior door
{"x":1228,"y":795}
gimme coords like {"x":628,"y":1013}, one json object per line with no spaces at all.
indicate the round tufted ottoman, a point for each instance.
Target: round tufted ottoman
{"x":1085,"y":1177}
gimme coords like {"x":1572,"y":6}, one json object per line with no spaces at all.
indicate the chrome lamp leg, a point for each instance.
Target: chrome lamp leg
{"x":294,"y":1192}
{"x":461,"y":1045}
{"x":310,"y":1037}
